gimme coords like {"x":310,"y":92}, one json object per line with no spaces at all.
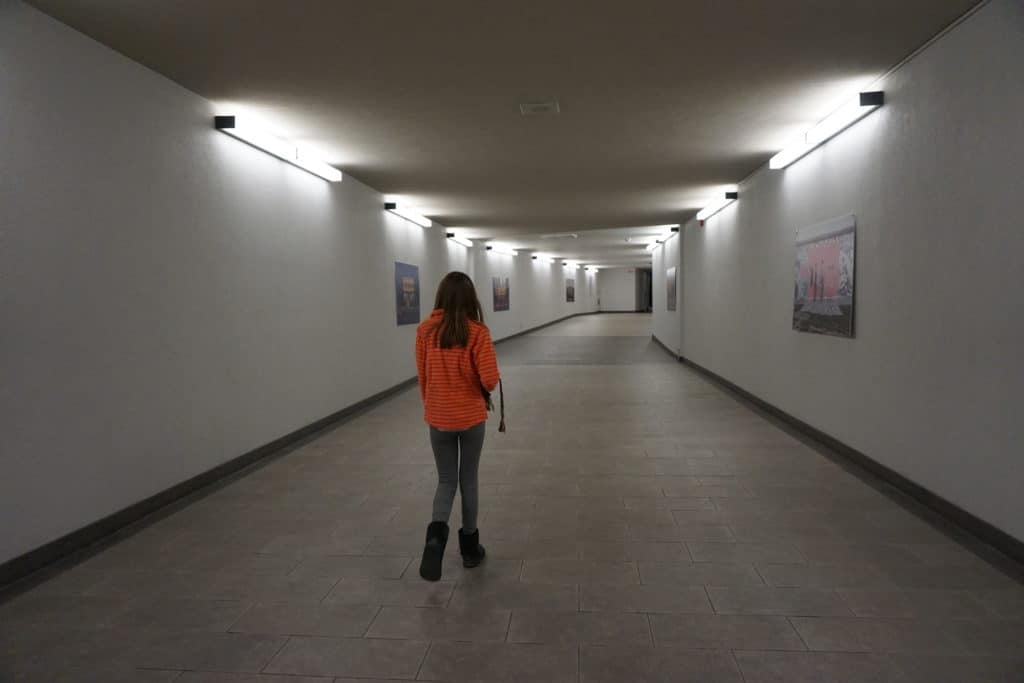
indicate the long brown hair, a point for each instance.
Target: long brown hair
{"x":456,"y":297}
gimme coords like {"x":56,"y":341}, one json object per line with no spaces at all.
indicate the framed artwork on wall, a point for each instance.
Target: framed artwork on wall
{"x":407,"y":293}
{"x":823,"y":287}
{"x":670,"y":293}
{"x":570,"y":290}
{"x":501,"y":293}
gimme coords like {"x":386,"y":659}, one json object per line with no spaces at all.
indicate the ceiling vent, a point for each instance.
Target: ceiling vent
{"x":539,"y":108}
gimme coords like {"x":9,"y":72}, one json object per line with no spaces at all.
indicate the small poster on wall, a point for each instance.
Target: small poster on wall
{"x":570,"y":290}
{"x":823,"y":289}
{"x":407,"y":293}
{"x":500,"y":287}
{"x":670,"y":294}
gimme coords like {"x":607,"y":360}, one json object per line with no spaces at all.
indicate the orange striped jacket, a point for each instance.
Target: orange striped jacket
{"x":450,"y":379}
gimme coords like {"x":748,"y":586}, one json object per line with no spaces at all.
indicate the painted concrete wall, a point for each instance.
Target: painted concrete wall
{"x":618,"y":289}
{"x":666,"y":326}
{"x":931,"y":386}
{"x":171,"y":298}
{"x":537,"y":291}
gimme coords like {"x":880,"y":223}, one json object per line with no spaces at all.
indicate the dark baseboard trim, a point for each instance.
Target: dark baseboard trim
{"x":990,"y":535}
{"x":23,"y":566}
{"x":541,"y":327}
{"x":666,"y":348}
{"x":645,"y":312}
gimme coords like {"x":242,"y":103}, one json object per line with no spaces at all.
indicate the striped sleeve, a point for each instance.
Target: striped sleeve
{"x":485,"y":361}
{"x":421,"y":365}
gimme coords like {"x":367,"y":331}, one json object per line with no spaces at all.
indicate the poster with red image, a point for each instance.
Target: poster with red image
{"x":823,"y":289}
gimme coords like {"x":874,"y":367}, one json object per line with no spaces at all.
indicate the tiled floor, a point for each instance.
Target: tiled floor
{"x":641,"y":526}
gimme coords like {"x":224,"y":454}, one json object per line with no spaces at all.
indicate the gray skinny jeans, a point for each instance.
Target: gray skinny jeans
{"x":454,"y":472}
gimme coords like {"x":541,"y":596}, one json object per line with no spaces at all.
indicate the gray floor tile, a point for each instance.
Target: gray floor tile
{"x":328,"y":538}
{"x":778,"y":553}
{"x":111,"y":674}
{"x":678,"y":599}
{"x":260,"y":588}
{"x":824,"y":576}
{"x":687,"y":573}
{"x":615,"y":663}
{"x":357,"y":658}
{"x":207,"y":677}
{"x":208,"y":651}
{"x":953,"y":577}
{"x":184,"y":614}
{"x":347,"y":567}
{"x":299,"y":546}
{"x":457,"y":662}
{"x":78,"y":611}
{"x":951,"y":604}
{"x":958,"y":669}
{"x":681,"y":532}
{"x":1003,"y":604}
{"x":631,"y":551}
{"x":996,"y":638}
{"x":777,"y":601}
{"x":306,"y":620}
{"x":816,"y":667}
{"x":875,"y":554}
{"x":418,"y":623}
{"x":545,"y":626}
{"x":572,"y":572}
{"x":841,"y":634}
{"x":491,"y":570}
{"x":396,"y":592}
{"x":514,"y":595}
{"x":723,"y":632}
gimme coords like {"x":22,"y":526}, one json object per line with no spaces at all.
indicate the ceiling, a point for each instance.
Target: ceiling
{"x":662,"y":101}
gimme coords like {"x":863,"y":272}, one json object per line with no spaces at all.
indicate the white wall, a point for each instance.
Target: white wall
{"x":931,"y":386}
{"x":618,"y":289}
{"x":667,"y":325}
{"x":171,"y":298}
{"x":537,"y":291}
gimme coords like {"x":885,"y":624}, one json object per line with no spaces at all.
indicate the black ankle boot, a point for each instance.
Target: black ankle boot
{"x":472,"y":552}
{"x":433,"y":551}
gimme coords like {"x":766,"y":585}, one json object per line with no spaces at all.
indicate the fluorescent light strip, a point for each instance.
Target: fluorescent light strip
{"x":408,"y":215}
{"x":498,"y":249}
{"x":460,"y":240}
{"x":833,"y":124}
{"x":285,"y":151}
{"x":728,"y":197}
{"x":673,"y":230}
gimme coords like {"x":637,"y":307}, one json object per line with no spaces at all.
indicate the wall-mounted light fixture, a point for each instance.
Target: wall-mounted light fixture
{"x":459,"y":240}
{"x":727,"y":198}
{"x":408,"y":214}
{"x":833,"y":124}
{"x":238,"y":128}
{"x":499,"y":249}
{"x":671,"y":231}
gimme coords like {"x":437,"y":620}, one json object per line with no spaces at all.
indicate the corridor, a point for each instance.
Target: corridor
{"x":641,"y":525}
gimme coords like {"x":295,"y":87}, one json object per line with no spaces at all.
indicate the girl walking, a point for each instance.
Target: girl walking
{"x":457,"y":370}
